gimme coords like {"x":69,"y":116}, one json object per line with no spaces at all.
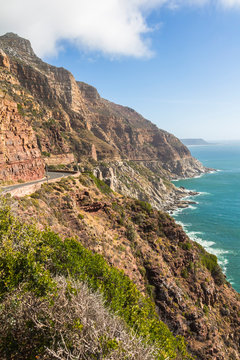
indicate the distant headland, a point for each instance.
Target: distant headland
{"x":194,"y":142}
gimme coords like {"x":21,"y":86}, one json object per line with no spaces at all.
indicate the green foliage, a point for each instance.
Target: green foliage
{"x":46,"y":154}
{"x":56,"y":167}
{"x":32,"y":258}
{"x":120,"y":210}
{"x":145,"y":206}
{"x":210,"y":262}
{"x":130,"y":232}
{"x":20,"y":109}
{"x":104,"y":188}
{"x":83,"y":180}
{"x":49,"y":123}
{"x":205,"y":309}
{"x":35,"y":195}
{"x":186,"y":245}
{"x":184,"y":273}
{"x":151,"y":291}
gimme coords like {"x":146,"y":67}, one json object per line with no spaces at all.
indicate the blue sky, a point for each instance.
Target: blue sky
{"x":178,"y":64}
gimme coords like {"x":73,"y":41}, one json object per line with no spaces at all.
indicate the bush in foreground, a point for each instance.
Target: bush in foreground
{"x":74,"y":324}
{"x":31,"y":259}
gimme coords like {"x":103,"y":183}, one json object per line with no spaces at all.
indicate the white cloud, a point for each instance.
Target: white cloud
{"x":230,"y":3}
{"x":114,"y":27}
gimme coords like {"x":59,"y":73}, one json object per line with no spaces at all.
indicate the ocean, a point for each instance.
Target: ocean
{"x":214,"y":221}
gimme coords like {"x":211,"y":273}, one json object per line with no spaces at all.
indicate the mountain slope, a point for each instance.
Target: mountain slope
{"x":187,"y":285}
{"x":71,"y":117}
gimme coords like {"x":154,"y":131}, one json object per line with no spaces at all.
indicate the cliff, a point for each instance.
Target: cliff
{"x":20,"y":158}
{"x":71,"y":117}
{"x":73,"y":124}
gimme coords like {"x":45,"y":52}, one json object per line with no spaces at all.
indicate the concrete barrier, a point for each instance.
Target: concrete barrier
{"x":63,"y":171}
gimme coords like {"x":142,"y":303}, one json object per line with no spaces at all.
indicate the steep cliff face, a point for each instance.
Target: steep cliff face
{"x":72,"y":117}
{"x":137,"y":138}
{"x":20,"y":158}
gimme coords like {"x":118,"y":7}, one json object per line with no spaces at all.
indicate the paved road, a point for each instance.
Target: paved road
{"x":51,"y":175}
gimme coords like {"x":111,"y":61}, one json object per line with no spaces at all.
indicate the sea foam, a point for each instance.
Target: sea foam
{"x":198,"y":237}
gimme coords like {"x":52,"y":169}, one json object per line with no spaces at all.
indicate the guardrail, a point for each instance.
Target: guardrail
{"x":63,"y":171}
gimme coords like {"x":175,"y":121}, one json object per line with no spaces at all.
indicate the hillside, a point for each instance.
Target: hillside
{"x":186,"y":284}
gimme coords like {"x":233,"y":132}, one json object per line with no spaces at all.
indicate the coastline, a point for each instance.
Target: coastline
{"x":180,"y":200}
{"x":182,"y":203}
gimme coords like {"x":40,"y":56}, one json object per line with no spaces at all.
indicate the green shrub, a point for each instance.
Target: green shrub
{"x":130,"y":232}
{"x":35,"y":195}
{"x":210,"y":262}
{"x":186,"y":245}
{"x":31,"y":259}
{"x":145,"y":206}
{"x":20,"y":109}
{"x":104,"y":188}
{"x":46,"y":154}
{"x":49,"y":123}
{"x":205,"y":309}
{"x":73,"y":324}
{"x":184,"y":273}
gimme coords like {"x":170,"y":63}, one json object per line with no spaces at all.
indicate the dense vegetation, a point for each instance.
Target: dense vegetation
{"x":39,"y":271}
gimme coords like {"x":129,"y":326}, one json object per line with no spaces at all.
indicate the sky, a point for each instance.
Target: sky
{"x":177,"y":62}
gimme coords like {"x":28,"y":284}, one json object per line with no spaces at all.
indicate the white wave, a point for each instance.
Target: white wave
{"x":191,"y":207}
{"x":231,"y":281}
{"x":197,"y":236}
{"x":183,"y":225}
{"x":196,"y":176}
{"x":175,"y":212}
{"x":180,"y":210}
{"x":200,"y":193}
{"x":199,"y":176}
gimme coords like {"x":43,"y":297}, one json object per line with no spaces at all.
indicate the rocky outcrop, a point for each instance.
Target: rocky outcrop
{"x":20,"y":158}
{"x":136,"y":180}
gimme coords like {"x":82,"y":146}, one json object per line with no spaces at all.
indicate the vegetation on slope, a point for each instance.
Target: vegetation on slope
{"x":30,"y":293}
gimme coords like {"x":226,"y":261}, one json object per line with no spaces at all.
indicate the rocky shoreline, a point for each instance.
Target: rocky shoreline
{"x":180,"y":200}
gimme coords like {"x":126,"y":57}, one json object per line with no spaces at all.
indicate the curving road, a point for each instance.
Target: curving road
{"x":51,"y":175}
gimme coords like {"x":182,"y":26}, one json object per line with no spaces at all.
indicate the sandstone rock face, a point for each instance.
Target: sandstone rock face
{"x":20,"y":158}
{"x":4,"y":61}
{"x":72,"y":117}
{"x":61,"y":159}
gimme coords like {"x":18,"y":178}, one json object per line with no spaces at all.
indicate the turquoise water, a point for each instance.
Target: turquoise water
{"x":214,"y":221}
